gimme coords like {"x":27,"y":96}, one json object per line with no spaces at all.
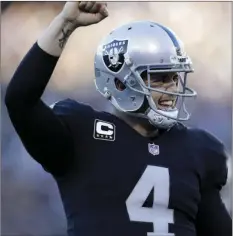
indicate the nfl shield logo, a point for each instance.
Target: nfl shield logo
{"x":113,"y":54}
{"x":153,"y":149}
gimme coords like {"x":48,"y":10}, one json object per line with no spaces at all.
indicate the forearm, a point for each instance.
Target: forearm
{"x":35,"y":70}
{"x":74,"y":14}
{"x":53,"y":40}
{"x":30,"y":79}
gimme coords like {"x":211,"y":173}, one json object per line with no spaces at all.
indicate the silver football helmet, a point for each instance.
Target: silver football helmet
{"x":139,"y":47}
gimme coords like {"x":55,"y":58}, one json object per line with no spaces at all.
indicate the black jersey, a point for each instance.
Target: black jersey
{"x":122,"y":183}
{"x":112,"y":180}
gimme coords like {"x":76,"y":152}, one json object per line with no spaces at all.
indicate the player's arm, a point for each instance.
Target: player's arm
{"x":45,"y":136}
{"x":213,"y":218}
{"x":73,"y":15}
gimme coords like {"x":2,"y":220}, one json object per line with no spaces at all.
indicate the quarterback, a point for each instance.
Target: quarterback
{"x":146,"y":174}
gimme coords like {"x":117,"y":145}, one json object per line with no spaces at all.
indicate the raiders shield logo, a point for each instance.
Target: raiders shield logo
{"x":113,"y":54}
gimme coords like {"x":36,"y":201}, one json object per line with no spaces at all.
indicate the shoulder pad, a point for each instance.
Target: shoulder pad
{"x":68,"y":106}
{"x":206,"y":138}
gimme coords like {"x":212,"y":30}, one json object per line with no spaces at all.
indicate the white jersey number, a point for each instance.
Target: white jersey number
{"x":154,"y":178}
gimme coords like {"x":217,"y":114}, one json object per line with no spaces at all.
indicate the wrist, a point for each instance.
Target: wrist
{"x":69,"y":23}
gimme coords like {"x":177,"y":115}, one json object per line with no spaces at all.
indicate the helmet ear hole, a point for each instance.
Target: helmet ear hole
{"x":144,"y":76}
{"x":119,"y":85}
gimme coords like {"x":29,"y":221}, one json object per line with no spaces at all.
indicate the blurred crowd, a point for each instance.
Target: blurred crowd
{"x":30,"y":201}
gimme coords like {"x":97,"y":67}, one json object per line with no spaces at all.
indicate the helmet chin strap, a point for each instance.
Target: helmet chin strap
{"x":157,"y":120}
{"x":160,"y":121}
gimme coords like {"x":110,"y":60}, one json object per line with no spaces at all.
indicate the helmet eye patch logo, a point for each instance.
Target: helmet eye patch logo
{"x":113,"y":54}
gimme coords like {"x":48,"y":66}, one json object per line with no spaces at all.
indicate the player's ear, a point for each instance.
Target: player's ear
{"x":144,"y":75}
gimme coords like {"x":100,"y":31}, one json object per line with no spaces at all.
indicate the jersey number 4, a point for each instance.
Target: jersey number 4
{"x":154,"y":178}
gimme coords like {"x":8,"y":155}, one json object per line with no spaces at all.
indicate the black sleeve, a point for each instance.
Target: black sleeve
{"x":213,"y":218}
{"x":46,"y":138}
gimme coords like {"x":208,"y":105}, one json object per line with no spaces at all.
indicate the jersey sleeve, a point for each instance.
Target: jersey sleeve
{"x":213,"y":218}
{"x":216,"y":163}
{"x":42,"y":130}
{"x":46,"y":138}
{"x":76,"y":116}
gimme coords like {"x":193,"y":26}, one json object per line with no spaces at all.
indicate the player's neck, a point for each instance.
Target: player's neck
{"x":146,"y":131}
{"x":141,"y":125}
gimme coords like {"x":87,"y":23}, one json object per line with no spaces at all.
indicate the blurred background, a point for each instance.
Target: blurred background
{"x":30,"y":201}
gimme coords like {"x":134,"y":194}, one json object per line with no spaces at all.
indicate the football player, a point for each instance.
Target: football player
{"x":146,"y":174}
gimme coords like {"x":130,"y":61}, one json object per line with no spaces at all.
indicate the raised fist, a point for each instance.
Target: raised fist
{"x":84,"y":13}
